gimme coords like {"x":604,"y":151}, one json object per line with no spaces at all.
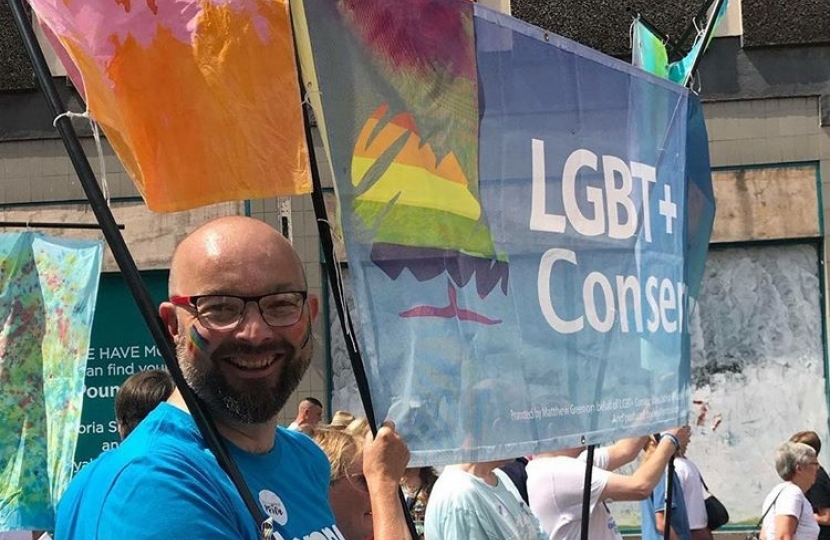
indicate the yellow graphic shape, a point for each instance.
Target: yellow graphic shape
{"x":414,"y":178}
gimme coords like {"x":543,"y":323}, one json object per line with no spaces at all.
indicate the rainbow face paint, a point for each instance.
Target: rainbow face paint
{"x":196,"y":342}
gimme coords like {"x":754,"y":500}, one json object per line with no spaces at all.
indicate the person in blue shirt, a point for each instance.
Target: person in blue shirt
{"x":654,"y":507}
{"x":240,"y":316}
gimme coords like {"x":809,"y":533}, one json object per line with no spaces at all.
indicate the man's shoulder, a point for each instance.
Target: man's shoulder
{"x":300,"y":457}
{"x":158,"y":450}
{"x":687,"y":471}
{"x":553,"y":465}
{"x":819,"y":492}
{"x":453,"y":485}
{"x":134,"y":483}
{"x":297,"y":444}
{"x":156,"y":454}
{"x":686,"y":464}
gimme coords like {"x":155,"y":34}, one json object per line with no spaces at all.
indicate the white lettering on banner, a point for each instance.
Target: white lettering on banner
{"x":615,"y":212}
{"x":621,"y":298}
{"x":668,"y":209}
{"x":613,"y":201}
{"x":626,"y":410}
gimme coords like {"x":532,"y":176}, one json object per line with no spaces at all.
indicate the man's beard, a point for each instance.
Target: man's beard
{"x":259,"y":401}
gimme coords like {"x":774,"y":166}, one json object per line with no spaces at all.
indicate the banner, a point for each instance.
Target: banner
{"x":199,"y":99}
{"x":48,"y":288}
{"x":515,"y":213}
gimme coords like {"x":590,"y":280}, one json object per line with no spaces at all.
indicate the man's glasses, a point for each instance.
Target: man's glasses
{"x":224,"y":311}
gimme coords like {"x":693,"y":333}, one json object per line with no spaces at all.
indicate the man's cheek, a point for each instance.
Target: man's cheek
{"x":197,"y":343}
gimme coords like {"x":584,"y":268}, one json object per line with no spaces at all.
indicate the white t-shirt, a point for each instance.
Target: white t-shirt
{"x":465,"y":507}
{"x":790,"y":502}
{"x":554,"y":488}
{"x":693,"y":493}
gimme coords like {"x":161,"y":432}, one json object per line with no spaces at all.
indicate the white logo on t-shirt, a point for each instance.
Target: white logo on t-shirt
{"x":273,"y":506}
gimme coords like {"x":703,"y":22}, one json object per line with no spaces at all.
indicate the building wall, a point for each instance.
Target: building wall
{"x":38,"y":184}
{"x":774,"y":133}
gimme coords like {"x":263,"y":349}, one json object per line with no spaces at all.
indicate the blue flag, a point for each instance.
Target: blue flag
{"x":514,"y":207}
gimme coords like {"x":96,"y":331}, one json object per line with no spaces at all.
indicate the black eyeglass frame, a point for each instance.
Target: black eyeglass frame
{"x":192,"y":302}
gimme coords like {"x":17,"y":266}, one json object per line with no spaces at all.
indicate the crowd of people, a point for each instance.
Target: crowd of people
{"x":241,"y":318}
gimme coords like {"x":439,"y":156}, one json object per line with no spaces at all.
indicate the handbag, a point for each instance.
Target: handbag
{"x":755,"y":534}
{"x":716,"y":514}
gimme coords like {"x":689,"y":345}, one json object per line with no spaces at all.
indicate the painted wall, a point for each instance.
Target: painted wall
{"x":757,"y":371}
{"x":758,"y":367}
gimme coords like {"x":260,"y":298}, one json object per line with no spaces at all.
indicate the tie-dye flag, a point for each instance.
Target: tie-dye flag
{"x":48,"y":288}
{"x":199,"y":98}
{"x":514,"y":212}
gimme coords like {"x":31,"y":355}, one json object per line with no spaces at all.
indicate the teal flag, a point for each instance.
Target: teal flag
{"x":648,"y":52}
{"x":48,"y":288}
{"x":681,"y":71}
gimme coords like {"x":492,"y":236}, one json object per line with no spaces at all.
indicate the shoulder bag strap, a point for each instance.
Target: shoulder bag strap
{"x":770,"y":507}
{"x":410,"y":503}
{"x":702,"y":481}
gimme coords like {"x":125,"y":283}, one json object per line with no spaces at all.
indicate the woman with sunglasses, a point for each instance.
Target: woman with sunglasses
{"x":363,"y":491}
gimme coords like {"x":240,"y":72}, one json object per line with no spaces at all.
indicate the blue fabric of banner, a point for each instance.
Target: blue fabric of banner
{"x":535,"y":299}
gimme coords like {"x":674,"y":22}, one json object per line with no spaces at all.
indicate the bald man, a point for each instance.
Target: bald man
{"x":309,"y":414}
{"x":240,"y":316}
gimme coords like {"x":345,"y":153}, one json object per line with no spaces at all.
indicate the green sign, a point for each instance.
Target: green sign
{"x":121,"y":345}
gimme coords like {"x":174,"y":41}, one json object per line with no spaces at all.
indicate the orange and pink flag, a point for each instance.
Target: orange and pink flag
{"x":199,"y":98}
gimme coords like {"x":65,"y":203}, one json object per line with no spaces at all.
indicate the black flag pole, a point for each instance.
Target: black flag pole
{"x":673,"y":49}
{"x":123,"y":258}
{"x":333,"y":275}
{"x":586,"y":492}
{"x":668,"y":508}
{"x":707,"y":33}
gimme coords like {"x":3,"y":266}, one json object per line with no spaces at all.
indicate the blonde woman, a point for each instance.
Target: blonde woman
{"x":363,"y":490}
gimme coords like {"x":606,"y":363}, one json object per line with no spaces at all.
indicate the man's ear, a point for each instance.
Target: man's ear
{"x":313,"y":306}
{"x":167,"y":312}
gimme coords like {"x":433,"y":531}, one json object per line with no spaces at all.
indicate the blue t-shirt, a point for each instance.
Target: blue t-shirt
{"x":657,"y":503}
{"x":163,"y":483}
